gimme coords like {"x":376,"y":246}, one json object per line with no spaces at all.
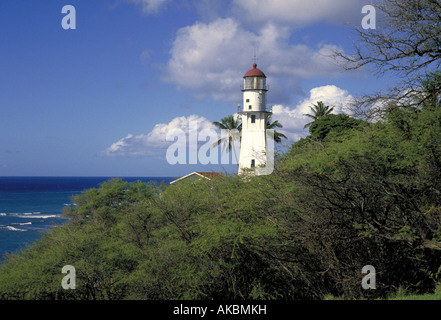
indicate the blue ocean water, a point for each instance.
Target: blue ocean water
{"x":30,"y":206}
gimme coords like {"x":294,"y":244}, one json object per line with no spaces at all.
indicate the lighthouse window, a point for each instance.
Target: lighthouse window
{"x":253,"y":163}
{"x":248,"y":83}
{"x":249,"y":107}
{"x":248,"y":100}
{"x":253,"y":119}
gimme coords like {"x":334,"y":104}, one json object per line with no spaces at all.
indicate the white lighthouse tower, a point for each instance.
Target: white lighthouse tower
{"x":253,"y":149}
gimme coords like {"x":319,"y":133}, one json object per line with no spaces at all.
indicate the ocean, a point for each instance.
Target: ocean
{"x":30,"y":206}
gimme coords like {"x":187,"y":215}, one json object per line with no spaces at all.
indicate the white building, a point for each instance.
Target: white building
{"x":253,"y":150}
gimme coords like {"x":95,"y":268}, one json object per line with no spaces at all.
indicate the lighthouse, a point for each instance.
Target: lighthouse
{"x":253,"y":149}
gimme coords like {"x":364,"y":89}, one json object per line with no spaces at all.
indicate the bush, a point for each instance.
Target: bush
{"x":363,"y":195}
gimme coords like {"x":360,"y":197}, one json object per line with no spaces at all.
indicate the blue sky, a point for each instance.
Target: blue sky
{"x":98,"y":100}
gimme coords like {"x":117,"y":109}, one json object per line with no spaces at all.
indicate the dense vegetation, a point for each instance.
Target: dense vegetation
{"x":351,"y":194}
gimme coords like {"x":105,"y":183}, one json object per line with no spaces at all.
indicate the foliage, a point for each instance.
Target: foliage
{"x":278,"y":136}
{"x":319,"y":111}
{"x":361,"y":194}
{"x":336,"y":124}
{"x":234,"y":126}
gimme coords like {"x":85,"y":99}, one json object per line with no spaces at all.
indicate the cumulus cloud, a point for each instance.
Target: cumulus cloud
{"x":211,"y":58}
{"x":155,"y":142}
{"x":293,"y":119}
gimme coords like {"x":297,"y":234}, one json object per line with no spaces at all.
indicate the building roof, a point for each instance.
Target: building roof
{"x":210,"y":175}
{"x":206,"y":175}
{"x":254,"y":72}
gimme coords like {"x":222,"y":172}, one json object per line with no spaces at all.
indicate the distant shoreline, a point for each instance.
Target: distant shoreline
{"x":31,"y":205}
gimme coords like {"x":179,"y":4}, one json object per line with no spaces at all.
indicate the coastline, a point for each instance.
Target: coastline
{"x":31,"y":205}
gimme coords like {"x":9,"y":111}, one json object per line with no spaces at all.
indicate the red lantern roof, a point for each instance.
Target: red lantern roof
{"x":254,"y":72}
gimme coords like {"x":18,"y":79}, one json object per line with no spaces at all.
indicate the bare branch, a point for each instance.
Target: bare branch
{"x":407,"y":44}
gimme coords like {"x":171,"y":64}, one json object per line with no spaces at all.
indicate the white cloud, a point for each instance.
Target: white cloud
{"x":293,"y":119}
{"x":300,"y":12}
{"x":154,"y":143}
{"x":211,"y":58}
{"x":150,"y":6}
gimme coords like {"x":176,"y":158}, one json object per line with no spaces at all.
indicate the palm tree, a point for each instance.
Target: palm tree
{"x":233,"y":128}
{"x":319,"y":111}
{"x":277,"y":135}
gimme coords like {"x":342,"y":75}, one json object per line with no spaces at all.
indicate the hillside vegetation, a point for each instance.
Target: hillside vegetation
{"x":351,"y":194}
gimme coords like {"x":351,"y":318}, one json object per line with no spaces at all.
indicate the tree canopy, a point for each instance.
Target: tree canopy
{"x":351,"y":194}
{"x":318,"y":111}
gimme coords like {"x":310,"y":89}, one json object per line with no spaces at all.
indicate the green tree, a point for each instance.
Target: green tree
{"x":233,"y":127}
{"x":375,"y":200}
{"x":337,"y":124}
{"x":319,"y":111}
{"x":431,"y":90}
{"x":277,"y":135}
